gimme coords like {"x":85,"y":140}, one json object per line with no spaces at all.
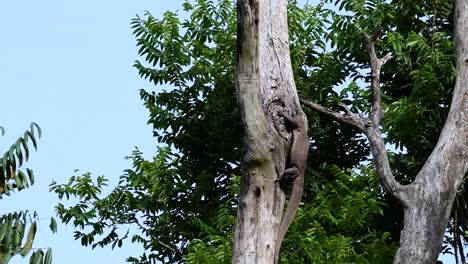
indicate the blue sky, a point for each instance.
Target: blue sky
{"x":67,"y":65}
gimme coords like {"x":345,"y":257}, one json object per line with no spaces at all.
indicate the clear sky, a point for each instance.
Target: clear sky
{"x":67,"y":65}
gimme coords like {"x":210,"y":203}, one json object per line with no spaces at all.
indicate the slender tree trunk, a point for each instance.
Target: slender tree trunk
{"x":265,"y":87}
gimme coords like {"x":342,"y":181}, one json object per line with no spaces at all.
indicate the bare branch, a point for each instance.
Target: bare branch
{"x":373,"y":133}
{"x":369,"y":42}
{"x":376,"y":64}
{"x":345,"y":108}
{"x":381,"y":163}
{"x":369,"y":126}
{"x":386,"y":58}
{"x":374,"y":136}
{"x":349,"y":117}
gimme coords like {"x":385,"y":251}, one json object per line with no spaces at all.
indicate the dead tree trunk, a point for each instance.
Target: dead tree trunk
{"x":428,"y":200}
{"x":265,"y":90}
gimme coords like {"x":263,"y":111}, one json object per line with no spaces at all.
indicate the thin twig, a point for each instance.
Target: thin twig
{"x":155,"y":238}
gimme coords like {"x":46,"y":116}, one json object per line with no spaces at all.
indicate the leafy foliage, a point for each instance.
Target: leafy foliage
{"x":18,"y":229}
{"x":336,"y":226}
{"x":142,"y":199}
{"x":11,"y":177}
{"x":214,"y":245}
{"x":17,"y":239}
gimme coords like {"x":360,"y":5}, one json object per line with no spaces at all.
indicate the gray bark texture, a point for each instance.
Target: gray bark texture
{"x":428,"y":200}
{"x":265,"y":89}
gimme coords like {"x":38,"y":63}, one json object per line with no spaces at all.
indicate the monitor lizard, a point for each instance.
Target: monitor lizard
{"x":294,"y":172}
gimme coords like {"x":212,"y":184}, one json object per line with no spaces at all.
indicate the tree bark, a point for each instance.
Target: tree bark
{"x":425,"y":220}
{"x":265,"y":87}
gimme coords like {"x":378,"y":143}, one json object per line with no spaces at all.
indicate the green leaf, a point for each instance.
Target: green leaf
{"x":5,"y":162}
{"x":18,"y":181}
{"x":11,"y":159}
{"x":9,"y":230}
{"x":30,"y":238}
{"x":38,"y":257}
{"x":48,"y":257}
{"x":3,"y":230}
{"x":24,"y":143}
{"x":53,"y":225}
{"x":33,"y":139}
{"x":23,"y":178}
{"x":30,"y":175}
{"x":38,"y":128}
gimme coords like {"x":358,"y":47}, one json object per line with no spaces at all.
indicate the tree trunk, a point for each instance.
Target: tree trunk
{"x":428,"y":200}
{"x":265,"y":87}
{"x":425,"y":222}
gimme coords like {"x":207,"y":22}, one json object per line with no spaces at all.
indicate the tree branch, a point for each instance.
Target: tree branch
{"x":369,"y":126}
{"x":374,"y":136}
{"x":349,"y":117}
{"x":381,"y":163}
{"x":376,"y":113}
{"x":386,"y":58}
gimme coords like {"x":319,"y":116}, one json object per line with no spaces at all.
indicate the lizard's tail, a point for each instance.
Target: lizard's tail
{"x":293,"y":205}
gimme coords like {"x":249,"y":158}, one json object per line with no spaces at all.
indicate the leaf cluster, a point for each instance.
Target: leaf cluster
{"x":11,"y":177}
{"x":17,"y":233}
{"x":18,"y":229}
